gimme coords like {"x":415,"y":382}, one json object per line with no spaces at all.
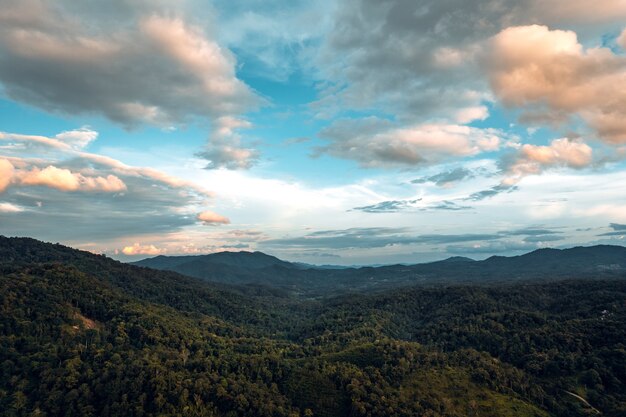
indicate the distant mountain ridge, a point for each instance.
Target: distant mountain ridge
{"x":259,"y":268}
{"x":245,"y":259}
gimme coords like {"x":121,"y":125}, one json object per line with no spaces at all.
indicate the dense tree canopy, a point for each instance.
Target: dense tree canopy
{"x":82,"y":335}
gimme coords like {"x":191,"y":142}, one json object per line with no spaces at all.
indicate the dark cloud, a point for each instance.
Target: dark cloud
{"x":618,"y":227}
{"x":618,"y":230}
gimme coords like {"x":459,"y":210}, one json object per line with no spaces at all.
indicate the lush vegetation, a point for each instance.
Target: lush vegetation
{"x":82,"y":335}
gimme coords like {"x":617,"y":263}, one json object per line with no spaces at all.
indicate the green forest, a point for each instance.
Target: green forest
{"x":84,"y":335}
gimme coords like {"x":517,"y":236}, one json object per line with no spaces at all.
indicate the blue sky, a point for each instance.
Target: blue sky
{"x":353,"y":132}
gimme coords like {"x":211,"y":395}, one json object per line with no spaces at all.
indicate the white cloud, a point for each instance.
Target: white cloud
{"x":211,"y":218}
{"x":374,"y":142}
{"x":10,"y":208}
{"x":533,"y":159}
{"x":66,"y":180}
{"x":224,"y":149}
{"x":551,"y":75}
{"x":149,"y":66}
{"x":79,"y":138}
{"x":137,"y":249}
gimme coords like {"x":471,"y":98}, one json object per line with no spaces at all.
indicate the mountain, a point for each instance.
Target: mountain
{"x":299,"y":279}
{"x":84,"y":335}
{"x":247,"y":260}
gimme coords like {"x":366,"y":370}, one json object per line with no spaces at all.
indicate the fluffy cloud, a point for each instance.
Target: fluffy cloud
{"x":137,"y":249}
{"x":551,"y":75}
{"x":419,"y":59}
{"x":97,"y":195}
{"x":66,"y":180}
{"x":59,"y":178}
{"x":150,"y":66}
{"x":533,"y":159}
{"x":374,"y":142}
{"x":224,"y":149}
{"x":211,"y":218}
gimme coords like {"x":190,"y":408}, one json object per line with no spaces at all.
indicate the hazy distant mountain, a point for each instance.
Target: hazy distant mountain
{"x":259,"y":268}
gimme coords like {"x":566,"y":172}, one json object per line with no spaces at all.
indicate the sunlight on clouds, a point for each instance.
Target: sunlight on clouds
{"x":137,"y":249}
{"x":374,"y":142}
{"x":535,"y":66}
{"x":533,"y":159}
{"x":10,"y":208}
{"x":210,"y":218}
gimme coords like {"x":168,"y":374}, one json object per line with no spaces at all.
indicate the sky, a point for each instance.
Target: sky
{"x":345,"y":132}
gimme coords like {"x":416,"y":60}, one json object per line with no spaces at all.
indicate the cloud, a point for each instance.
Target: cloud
{"x":549,"y":72}
{"x":533,"y":159}
{"x":6,"y":174}
{"x":98,"y":195}
{"x":531,"y":231}
{"x":543,"y":238}
{"x":65,"y":180}
{"x":224,"y":148}
{"x":10,"y":208}
{"x":70,"y":140}
{"x":137,"y":249}
{"x":490,"y":248}
{"x":618,"y":230}
{"x":271,"y":38}
{"x":58,"y":178}
{"x":578,"y":11}
{"x":77,"y":139}
{"x":420,"y":58}
{"x":618,"y":227}
{"x":391,"y":206}
{"x":371,"y":237}
{"x":210,"y":218}
{"x":621,"y":39}
{"x":375,"y":142}
{"x":447,"y":178}
{"x":146,"y":64}
{"x":394,"y":206}
{"x":446,"y":205}
{"x":491,"y":192}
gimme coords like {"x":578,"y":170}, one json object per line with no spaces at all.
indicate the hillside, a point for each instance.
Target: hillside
{"x":83,"y":335}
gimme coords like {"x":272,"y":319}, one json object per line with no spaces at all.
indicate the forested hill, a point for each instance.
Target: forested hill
{"x":257,"y":268}
{"x":83,"y":335}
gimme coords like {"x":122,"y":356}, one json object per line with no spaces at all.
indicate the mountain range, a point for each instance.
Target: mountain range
{"x":257,"y":268}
